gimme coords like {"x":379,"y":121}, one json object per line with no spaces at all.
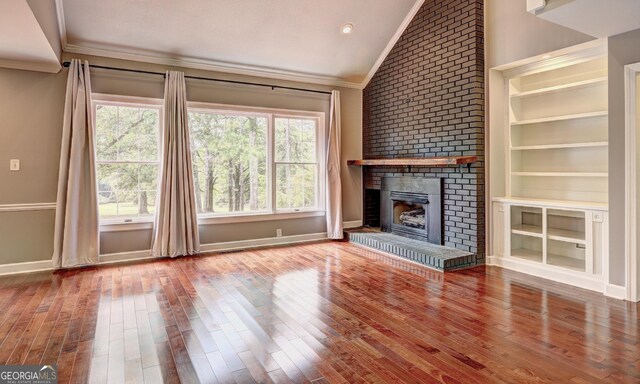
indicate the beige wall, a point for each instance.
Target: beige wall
{"x":31,"y":107}
{"x":32,"y":103}
{"x":512,"y":33}
{"x":623,"y":49}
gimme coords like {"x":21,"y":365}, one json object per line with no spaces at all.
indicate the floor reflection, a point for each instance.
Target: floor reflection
{"x":326,"y":312}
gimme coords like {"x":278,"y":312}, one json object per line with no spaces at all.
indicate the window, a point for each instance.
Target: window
{"x":296,"y":163}
{"x":127,"y":153}
{"x":255,"y":161}
{"x":229,"y":152}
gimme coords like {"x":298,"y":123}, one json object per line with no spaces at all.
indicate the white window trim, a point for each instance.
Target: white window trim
{"x":271,"y":213}
{"x":130,"y":223}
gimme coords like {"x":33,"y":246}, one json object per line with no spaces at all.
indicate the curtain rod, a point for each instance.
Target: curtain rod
{"x":66,"y":64}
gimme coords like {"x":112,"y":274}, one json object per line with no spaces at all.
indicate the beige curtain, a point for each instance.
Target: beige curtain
{"x":334,"y":188}
{"x":176,"y":227}
{"x":76,"y":240}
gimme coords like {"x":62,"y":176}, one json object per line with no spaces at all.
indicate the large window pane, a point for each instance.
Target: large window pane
{"x":229,"y":161}
{"x":127,"y":189}
{"x":296,"y":186}
{"x":127,"y":152}
{"x":295,"y":140}
{"x":296,"y":163}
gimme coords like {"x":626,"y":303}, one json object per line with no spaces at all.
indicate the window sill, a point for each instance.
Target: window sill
{"x":120,"y":226}
{"x":247,"y":218}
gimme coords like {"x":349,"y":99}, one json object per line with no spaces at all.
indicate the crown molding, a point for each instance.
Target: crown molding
{"x":210,"y":65}
{"x":557,"y":59}
{"x":62,"y":27}
{"x":394,"y":39}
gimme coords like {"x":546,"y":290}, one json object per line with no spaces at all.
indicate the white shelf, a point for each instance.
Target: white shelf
{"x":561,"y":88}
{"x":561,"y":174}
{"x":566,"y":204}
{"x":527,"y":230}
{"x":560,"y":146}
{"x":527,"y":254}
{"x":566,"y":236}
{"x":565,"y":262}
{"x":588,"y":115}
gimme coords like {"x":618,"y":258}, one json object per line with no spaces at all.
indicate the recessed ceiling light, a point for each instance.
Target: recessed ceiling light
{"x":346,"y":28}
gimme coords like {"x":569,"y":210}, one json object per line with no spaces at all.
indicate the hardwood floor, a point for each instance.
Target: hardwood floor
{"x":321,"y":313}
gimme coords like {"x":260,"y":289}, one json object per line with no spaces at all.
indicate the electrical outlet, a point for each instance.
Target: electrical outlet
{"x":279,"y":232}
{"x":14,"y":164}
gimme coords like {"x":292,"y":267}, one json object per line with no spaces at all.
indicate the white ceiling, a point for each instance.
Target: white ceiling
{"x":598,"y":18}
{"x":276,"y":38}
{"x":23,"y":44}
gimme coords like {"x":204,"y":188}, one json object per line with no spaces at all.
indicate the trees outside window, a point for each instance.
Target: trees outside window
{"x":229,"y":153}
{"x":127,"y":154}
{"x":296,"y":163}
{"x":258,"y":161}
{"x":246,"y":161}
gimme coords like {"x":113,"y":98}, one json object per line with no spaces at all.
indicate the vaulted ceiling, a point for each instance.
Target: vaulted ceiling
{"x":291,"y":39}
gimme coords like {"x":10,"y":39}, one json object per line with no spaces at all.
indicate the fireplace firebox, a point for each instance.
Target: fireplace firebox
{"x":412,"y":207}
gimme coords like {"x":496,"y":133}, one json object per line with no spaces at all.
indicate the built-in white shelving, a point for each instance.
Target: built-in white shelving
{"x":562,"y":87}
{"x":560,"y":146}
{"x":561,"y":174}
{"x":566,"y":235}
{"x":552,"y":220}
{"x":558,"y":139}
{"x":551,"y":119}
{"x":527,"y":230}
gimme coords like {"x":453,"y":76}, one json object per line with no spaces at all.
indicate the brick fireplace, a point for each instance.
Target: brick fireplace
{"x":427,"y":100}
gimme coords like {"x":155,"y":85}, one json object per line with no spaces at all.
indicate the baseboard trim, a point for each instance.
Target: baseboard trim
{"x":255,"y":243}
{"x":110,"y":258}
{"x":352,"y":224}
{"x":615,"y":291}
{"x":26,"y":267}
{"x":121,"y":257}
{"x":553,"y":274}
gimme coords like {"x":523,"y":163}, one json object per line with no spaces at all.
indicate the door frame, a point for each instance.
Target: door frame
{"x":631,"y":72}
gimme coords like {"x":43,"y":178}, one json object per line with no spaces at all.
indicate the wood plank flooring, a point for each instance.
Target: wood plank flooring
{"x":320,"y":313}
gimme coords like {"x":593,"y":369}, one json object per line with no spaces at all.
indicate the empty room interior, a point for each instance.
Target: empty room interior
{"x":300,"y":191}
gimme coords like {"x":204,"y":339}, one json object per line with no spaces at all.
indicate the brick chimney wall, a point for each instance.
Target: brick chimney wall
{"x":426,"y":100}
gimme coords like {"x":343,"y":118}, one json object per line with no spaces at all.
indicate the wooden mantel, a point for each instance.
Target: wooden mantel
{"x":416,"y":162}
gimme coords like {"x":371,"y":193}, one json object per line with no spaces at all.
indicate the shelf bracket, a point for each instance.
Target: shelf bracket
{"x":468,"y":166}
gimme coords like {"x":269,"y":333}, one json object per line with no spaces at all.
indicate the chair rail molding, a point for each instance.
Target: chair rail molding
{"x":27,"y":207}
